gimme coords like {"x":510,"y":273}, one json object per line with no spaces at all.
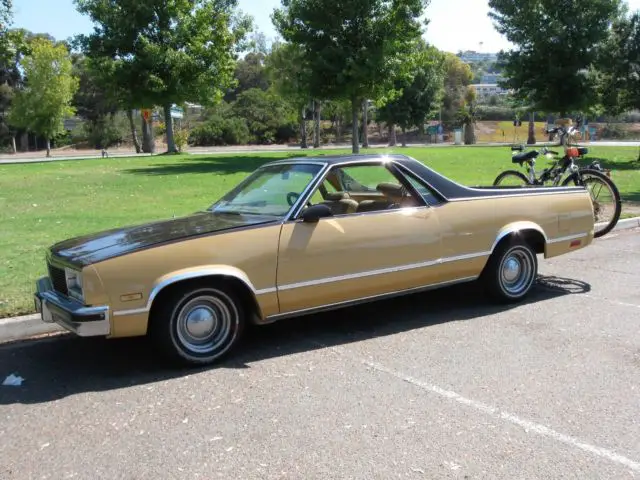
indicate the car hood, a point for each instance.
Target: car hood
{"x":101,"y":246}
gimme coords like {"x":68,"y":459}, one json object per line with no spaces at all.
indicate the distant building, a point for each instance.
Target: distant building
{"x":471,"y":56}
{"x":486,"y":90}
{"x":491,"y":78}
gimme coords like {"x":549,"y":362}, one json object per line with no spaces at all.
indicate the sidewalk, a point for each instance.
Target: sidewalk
{"x":70,"y":154}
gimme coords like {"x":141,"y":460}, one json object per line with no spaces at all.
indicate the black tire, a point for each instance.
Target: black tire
{"x":197,"y":324}
{"x":583,"y":178}
{"x":511,"y":173}
{"x":496,"y":274}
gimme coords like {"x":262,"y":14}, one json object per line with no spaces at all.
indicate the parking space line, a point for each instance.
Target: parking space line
{"x":528,"y":425}
{"x":613,"y":302}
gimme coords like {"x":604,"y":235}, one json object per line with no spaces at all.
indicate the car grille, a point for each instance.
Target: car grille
{"x":58,"y":279}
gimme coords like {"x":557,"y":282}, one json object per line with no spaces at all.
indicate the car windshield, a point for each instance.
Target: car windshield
{"x":271,"y":190}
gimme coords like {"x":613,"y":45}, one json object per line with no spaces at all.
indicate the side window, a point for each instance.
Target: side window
{"x":325,"y":190}
{"x":429,"y":195}
{"x":363,"y":188}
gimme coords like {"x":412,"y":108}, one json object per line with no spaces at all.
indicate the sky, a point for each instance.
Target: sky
{"x":454,"y":24}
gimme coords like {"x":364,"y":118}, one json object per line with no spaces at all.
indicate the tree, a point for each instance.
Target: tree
{"x":249,"y":73}
{"x":421,"y":95}
{"x":291,"y":78}
{"x":46,"y":99}
{"x":467,"y":115}
{"x":555,"y":49}
{"x":265,"y":114}
{"x":15,"y":44}
{"x":355,"y":49}
{"x":6,"y":18}
{"x":167,"y":52}
{"x":457,"y":78}
{"x":619,"y":66}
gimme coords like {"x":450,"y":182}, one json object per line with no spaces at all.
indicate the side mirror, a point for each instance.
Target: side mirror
{"x":315,"y":213}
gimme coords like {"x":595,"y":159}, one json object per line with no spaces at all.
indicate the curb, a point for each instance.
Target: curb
{"x":21,"y":328}
{"x":627,"y":223}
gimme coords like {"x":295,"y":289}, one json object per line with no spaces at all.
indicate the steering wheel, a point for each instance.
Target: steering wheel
{"x":292,"y":197}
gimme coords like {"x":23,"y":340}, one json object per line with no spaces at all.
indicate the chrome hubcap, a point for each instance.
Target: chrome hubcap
{"x":511,"y":269}
{"x":200,"y":322}
{"x":516,"y":271}
{"x":204,"y":324}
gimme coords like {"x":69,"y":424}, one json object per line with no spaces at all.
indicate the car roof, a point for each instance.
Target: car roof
{"x":339,"y":159}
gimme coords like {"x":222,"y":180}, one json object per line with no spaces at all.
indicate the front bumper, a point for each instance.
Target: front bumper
{"x":54,"y":307}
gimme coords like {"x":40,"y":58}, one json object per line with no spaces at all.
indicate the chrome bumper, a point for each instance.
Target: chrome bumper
{"x":54,"y":307}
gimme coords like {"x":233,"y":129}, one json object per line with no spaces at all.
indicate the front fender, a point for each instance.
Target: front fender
{"x":187,"y":274}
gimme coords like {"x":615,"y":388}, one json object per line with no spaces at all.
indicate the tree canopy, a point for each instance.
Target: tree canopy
{"x":420,"y":94}
{"x":619,"y":65}
{"x":167,"y":51}
{"x":556,"y":49}
{"x":45,"y":101}
{"x":355,"y":49}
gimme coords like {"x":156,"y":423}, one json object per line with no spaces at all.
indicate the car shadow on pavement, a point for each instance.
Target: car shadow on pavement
{"x":65,"y":365}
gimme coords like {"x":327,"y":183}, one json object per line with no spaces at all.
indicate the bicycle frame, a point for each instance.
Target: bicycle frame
{"x":560,"y":167}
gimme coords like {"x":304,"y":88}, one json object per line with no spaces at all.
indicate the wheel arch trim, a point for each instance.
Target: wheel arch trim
{"x":193,"y":273}
{"x":517,"y":227}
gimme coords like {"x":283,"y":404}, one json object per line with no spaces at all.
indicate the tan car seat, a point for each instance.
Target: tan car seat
{"x":340,"y":203}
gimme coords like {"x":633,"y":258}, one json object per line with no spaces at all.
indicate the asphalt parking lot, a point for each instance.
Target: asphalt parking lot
{"x":437,"y":385}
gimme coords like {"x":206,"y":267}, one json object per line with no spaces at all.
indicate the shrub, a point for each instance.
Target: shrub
{"x":220,"y":131}
{"x":181,"y":138}
{"x":269,"y":118}
{"x":613,"y":131}
{"x":103,"y":132}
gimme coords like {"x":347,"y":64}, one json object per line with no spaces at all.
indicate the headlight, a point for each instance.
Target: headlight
{"x":74,"y":283}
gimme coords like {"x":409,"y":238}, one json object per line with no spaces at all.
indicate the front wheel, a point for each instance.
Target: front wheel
{"x":511,"y":178}
{"x":511,"y":270}
{"x":197,"y":325}
{"x":607,"y":204}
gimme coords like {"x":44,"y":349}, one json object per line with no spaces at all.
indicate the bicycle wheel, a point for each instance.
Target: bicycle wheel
{"x":596,"y":181}
{"x":507,"y":177}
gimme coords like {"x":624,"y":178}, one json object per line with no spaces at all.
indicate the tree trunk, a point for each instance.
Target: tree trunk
{"x":148,"y":142}
{"x":303,"y":129}
{"x":392,"y":135}
{"x":532,"y":129}
{"x":13,"y":144}
{"x":48,"y":147}
{"x":365,"y":123}
{"x":134,"y":134}
{"x":355,"y":110}
{"x":316,"y":124}
{"x":469,"y":134}
{"x":404,"y":137}
{"x":339,"y":129}
{"x":168,"y":121}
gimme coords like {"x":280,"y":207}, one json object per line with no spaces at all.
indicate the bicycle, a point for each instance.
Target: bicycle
{"x":578,"y":176}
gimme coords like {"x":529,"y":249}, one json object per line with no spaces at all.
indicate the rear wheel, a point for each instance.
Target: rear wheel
{"x":197,"y":325}
{"x":511,"y":178}
{"x":510,"y":271}
{"x":607,"y":204}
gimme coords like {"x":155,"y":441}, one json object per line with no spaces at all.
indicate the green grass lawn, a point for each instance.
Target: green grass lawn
{"x":43,"y":203}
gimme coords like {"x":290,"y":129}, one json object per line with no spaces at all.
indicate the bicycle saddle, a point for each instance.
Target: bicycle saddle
{"x":523,"y":157}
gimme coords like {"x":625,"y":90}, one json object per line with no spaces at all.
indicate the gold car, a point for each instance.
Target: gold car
{"x":303,"y":235}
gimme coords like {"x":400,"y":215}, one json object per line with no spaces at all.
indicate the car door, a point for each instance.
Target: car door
{"x":375,"y":243}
